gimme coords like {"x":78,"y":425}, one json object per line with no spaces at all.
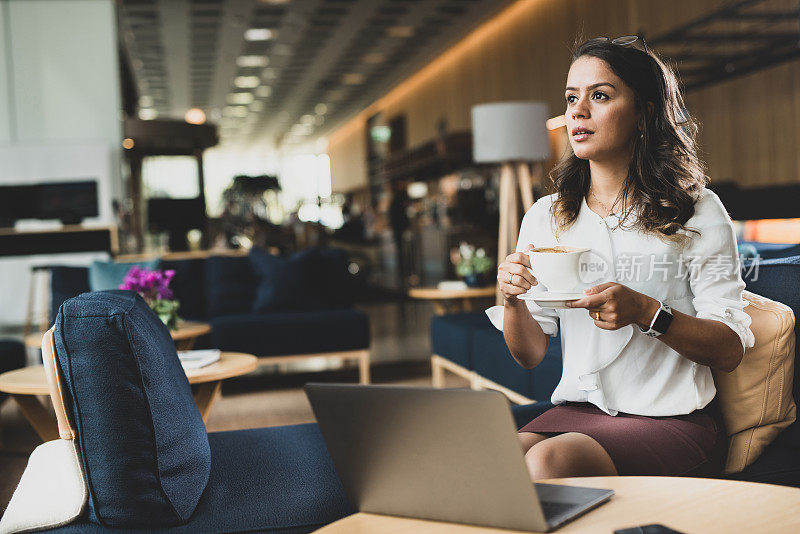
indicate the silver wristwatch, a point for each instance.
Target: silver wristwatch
{"x":661,"y":321}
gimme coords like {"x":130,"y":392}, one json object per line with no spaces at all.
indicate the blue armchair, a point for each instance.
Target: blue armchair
{"x":125,"y":388}
{"x":147,"y":460}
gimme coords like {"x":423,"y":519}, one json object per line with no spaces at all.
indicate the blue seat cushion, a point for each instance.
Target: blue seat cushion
{"x":109,"y":274}
{"x":292,"y":333}
{"x":278,"y":479}
{"x":451,"y":335}
{"x":66,"y":282}
{"x":142,"y":441}
{"x":230,"y":285}
{"x":187,"y":286}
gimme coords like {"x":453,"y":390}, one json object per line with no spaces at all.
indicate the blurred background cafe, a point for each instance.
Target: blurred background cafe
{"x":355,"y":166}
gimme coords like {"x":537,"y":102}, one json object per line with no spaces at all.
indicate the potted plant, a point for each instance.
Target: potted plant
{"x":153,"y":286}
{"x":473,"y":265}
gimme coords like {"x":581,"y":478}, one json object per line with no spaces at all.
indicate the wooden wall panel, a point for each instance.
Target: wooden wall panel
{"x":348,"y":153}
{"x":747,"y":131}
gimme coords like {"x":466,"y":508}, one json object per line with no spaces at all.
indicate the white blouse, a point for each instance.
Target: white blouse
{"x":624,"y":370}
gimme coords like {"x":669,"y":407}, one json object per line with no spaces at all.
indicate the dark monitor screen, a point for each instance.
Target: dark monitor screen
{"x":69,"y":202}
{"x":165,"y":214}
{"x":16,"y":202}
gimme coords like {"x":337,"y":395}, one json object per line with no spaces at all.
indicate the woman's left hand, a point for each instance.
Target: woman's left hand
{"x":617,"y":306}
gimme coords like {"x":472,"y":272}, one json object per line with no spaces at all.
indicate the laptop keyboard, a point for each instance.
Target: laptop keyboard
{"x":555,"y":509}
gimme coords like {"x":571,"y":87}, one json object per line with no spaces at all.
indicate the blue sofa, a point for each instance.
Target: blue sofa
{"x":224,"y":291}
{"x":472,"y":347}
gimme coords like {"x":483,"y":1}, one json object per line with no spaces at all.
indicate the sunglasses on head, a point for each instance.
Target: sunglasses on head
{"x":625,"y":40}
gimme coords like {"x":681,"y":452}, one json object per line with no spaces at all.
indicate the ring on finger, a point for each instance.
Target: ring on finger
{"x":597,"y":315}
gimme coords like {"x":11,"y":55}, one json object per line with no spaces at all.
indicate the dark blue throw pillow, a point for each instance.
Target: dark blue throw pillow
{"x":286,"y":283}
{"x":142,"y":441}
{"x":230,"y":285}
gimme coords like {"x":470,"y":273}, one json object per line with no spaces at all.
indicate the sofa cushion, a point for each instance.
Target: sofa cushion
{"x":109,"y":275}
{"x":451,"y":335}
{"x":230,"y":285}
{"x":66,"y":282}
{"x":286,"y":282}
{"x":756,"y":398}
{"x":187,"y":286}
{"x":141,"y":438}
{"x":292,"y":333}
{"x":278,"y":479}
{"x":493,"y":361}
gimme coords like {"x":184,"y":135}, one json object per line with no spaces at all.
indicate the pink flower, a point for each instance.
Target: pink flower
{"x":151,"y":285}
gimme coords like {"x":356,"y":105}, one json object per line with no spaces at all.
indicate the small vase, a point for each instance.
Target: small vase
{"x":474,"y":280}
{"x":167,"y":311}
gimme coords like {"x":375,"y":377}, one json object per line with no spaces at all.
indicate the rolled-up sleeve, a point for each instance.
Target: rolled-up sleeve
{"x":530,"y":232}
{"x":547,"y":318}
{"x":712,"y":262}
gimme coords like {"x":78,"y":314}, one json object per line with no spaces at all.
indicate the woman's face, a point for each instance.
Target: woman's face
{"x":602,"y":119}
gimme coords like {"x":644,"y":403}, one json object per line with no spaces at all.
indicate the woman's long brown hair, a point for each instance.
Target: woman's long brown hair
{"x":665,"y":173}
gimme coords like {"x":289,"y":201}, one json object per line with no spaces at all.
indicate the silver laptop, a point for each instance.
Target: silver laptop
{"x":442,"y":454}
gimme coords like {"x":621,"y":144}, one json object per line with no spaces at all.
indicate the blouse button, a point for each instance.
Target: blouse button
{"x":728,"y":314}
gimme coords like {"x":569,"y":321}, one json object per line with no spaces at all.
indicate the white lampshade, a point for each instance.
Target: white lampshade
{"x":510,"y":131}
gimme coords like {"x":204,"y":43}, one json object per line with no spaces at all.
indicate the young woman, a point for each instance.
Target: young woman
{"x":636,"y":396}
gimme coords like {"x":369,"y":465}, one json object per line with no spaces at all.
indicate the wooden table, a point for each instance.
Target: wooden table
{"x":451,"y":300}
{"x":688,"y":505}
{"x":184,"y":336}
{"x":25,"y":384}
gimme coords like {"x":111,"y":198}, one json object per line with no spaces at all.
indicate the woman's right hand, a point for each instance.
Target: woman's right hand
{"x":513,"y":276}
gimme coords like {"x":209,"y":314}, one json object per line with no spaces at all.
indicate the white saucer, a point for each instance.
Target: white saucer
{"x":552,"y":299}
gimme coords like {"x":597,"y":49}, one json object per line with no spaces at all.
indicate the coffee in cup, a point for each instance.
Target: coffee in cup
{"x":557,"y":267}
{"x":552,"y":249}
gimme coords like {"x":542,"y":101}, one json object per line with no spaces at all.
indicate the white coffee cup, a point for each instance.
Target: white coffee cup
{"x":558,"y":271}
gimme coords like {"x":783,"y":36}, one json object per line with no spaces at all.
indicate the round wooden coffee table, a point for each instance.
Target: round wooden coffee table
{"x":451,"y":300}
{"x":687,"y":505}
{"x":25,"y":384}
{"x":184,"y":336}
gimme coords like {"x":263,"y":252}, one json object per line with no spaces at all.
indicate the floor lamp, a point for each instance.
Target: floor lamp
{"x":512,"y":134}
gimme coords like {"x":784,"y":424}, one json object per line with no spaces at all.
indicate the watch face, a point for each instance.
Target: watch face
{"x":662,"y":322}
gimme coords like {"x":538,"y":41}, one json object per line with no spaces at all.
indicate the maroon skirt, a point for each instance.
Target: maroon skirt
{"x":683,"y":445}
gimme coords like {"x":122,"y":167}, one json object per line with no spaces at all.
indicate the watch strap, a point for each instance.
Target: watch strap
{"x":661,"y":321}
